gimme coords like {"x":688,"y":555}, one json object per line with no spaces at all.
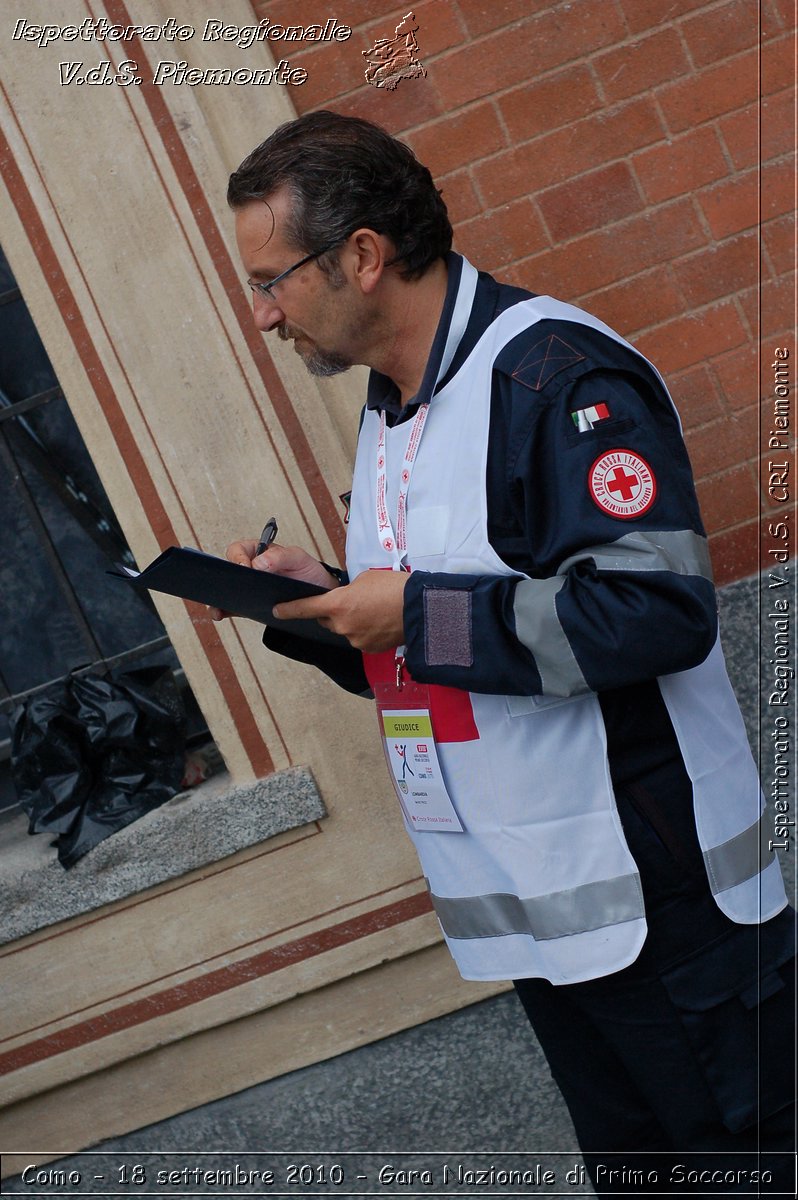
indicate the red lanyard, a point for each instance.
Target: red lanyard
{"x":394,"y":542}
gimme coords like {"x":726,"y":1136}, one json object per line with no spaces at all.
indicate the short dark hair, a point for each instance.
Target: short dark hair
{"x":345,"y":173}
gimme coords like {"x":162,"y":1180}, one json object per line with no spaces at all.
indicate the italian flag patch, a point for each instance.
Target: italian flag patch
{"x":585,"y":418}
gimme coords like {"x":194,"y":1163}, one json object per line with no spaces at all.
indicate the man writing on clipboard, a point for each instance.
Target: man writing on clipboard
{"x":527,"y":584}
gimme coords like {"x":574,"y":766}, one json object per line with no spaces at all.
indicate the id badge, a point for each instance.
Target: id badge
{"x":412,"y":757}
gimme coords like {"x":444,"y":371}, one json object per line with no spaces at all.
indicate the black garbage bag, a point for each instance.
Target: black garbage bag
{"x":95,"y":752}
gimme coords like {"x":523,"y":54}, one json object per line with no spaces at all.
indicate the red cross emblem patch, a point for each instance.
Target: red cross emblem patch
{"x":622,"y":484}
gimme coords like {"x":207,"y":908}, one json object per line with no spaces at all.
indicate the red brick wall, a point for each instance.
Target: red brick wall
{"x":624,"y":155}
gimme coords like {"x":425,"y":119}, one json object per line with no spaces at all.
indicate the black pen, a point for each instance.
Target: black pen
{"x":268,"y":536}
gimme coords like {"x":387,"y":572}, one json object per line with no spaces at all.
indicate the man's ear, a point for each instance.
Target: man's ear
{"x":368,"y":254}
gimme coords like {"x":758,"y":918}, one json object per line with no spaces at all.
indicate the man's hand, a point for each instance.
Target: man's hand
{"x":280,"y":560}
{"x":368,"y":612}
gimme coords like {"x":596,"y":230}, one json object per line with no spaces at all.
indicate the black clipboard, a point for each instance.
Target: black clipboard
{"x":241,"y":591}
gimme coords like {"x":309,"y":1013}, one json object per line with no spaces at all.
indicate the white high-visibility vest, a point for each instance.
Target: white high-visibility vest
{"x":542,"y":882}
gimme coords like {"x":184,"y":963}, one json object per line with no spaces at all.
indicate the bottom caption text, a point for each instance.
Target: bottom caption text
{"x":276,"y":1174}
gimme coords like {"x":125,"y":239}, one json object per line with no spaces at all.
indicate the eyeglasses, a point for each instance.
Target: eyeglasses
{"x":265,"y":289}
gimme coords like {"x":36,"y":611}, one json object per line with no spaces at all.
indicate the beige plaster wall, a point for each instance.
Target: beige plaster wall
{"x":115,"y":224}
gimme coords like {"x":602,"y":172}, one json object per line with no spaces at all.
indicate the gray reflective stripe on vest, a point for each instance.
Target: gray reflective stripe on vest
{"x":741,"y":858}
{"x":559,"y":914}
{"x":538,"y":627}
{"x":680,"y":551}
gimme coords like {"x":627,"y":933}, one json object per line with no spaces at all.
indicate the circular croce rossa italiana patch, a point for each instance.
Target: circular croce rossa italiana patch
{"x":622,"y":484}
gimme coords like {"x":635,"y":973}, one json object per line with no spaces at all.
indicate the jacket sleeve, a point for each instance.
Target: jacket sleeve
{"x":342,"y":664}
{"x":616,"y":584}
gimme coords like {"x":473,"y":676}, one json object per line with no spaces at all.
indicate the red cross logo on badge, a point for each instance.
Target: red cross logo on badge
{"x":622,"y":484}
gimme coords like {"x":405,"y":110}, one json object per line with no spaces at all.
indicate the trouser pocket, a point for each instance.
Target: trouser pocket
{"x":736,"y":1002}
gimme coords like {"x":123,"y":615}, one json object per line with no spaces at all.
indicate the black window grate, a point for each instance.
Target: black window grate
{"x":59,"y":613}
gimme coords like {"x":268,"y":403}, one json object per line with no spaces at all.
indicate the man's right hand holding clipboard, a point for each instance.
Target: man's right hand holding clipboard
{"x":368,"y":612}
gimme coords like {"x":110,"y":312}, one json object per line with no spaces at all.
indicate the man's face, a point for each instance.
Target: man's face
{"x":310,"y":308}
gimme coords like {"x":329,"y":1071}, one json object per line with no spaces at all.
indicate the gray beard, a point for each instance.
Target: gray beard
{"x":322,"y":364}
{"x":318,"y":362}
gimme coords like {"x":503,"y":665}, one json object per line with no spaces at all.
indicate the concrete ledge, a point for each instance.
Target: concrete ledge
{"x":191,"y":830}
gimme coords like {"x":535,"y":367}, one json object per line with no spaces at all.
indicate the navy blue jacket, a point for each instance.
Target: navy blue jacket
{"x":623,"y":628}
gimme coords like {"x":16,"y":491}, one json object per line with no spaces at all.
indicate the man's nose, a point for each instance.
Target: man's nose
{"x":266,"y":312}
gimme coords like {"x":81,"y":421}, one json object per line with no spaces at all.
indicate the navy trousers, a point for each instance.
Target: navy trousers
{"x":684,"y":1062}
